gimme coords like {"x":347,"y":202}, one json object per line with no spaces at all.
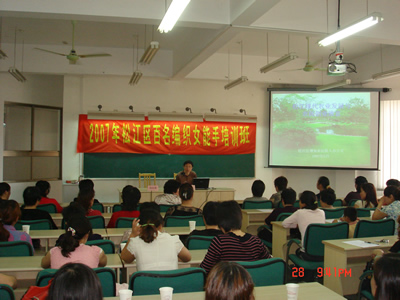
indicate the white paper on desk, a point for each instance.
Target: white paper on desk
{"x":361,"y":244}
{"x":266,"y":210}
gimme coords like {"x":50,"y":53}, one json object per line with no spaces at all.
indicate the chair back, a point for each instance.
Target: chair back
{"x":283,"y":216}
{"x":117,"y":207}
{"x":266,"y":272}
{"x":371,"y":228}
{"x":316,"y":233}
{"x":147,"y":179}
{"x":352,"y":202}
{"x":183,"y":221}
{"x":196,"y":242}
{"x":124,"y":222}
{"x":6,"y":292}
{"x":15,"y":248}
{"x":108,"y":281}
{"x":363,"y":212}
{"x":164,"y":207}
{"x":44,"y":276}
{"x":185,"y":280}
{"x":97,"y":221}
{"x":296,"y":204}
{"x":34,"y":224}
{"x":337,"y":203}
{"x":50,"y":208}
{"x":333,"y":213}
{"x":107,"y":245}
{"x":98,"y":206}
{"x":250,"y":204}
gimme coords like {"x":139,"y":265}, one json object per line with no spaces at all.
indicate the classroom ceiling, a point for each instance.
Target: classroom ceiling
{"x":267,"y":29}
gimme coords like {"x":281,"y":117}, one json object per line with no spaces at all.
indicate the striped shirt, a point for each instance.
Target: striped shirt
{"x":230,"y":247}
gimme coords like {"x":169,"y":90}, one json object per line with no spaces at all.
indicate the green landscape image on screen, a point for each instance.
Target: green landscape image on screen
{"x":320,"y":129}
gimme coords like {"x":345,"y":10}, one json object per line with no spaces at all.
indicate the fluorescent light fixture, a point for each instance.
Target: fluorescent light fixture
{"x":2,"y":54}
{"x":358,"y":26}
{"x":235,"y":82}
{"x":135,"y":77}
{"x":386,"y":74}
{"x":333,"y":85}
{"x":149,"y":53}
{"x":172,"y":15}
{"x":279,"y":62}
{"x":17,"y":74}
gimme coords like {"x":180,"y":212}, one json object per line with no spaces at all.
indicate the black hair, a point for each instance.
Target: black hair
{"x":75,"y":281}
{"x":188,"y":162}
{"x":309,"y":199}
{"x":4,"y":187}
{"x":86,"y":184}
{"x":351,"y":213}
{"x":288,"y":196}
{"x":186,"y":191}
{"x":210,"y":213}
{"x":149,"y":206}
{"x":281,"y":183}
{"x":359,"y":181}
{"x":370,"y":192}
{"x":77,"y":228}
{"x":150,"y":221}
{"x":258,"y":188}
{"x":392,"y":190}
{"x":31,"y":195}
{"x":324,"y":181}
{"x":328,"y":196}
{"x":387,"y":277}
{"x":44,"y":187}
{"x":74,"y":209}
{"x":130,"y":198}
{"x":229,"y":215}
{"x":85,"y":198}
{"x":394,"y":182}
{"x":171,"y":186}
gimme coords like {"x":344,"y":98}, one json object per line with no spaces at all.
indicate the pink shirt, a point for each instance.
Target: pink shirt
{"x":84,"y":254}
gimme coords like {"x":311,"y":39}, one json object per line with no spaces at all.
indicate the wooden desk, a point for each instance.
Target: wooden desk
{"x":348,"y":257}
{"x":57,"y":218}
{"x":280,"y":236}
{"x":254,"y":216}
{"x":307,"y":291}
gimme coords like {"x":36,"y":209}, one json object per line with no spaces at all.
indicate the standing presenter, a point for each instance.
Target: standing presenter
{"x":187,"y":175}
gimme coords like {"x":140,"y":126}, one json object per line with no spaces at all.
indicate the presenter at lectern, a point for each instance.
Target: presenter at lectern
{"x":187,"y":175}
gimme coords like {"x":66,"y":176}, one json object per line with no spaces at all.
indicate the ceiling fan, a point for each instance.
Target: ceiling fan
{"x":73,"y":56}
{"x":310,"y":66}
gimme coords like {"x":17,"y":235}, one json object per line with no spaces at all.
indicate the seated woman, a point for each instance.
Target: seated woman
{"x":307,"y":214}
{"x":152,"y":248}
{"x":396,"y":246}
{"x":358,"y":182}
{"x":44,"y":188}
{"x":86,"y":199}
{"x":210,"y":221}
{"x":171,"y":194}
{"x":322,"y":184}
{"x":328,"y":197}
{"x":9,"y":216}
{"x":186,"y":208}
{"x":72,"y":248}
{"x":385,"y":284}
{"x":368,"y":196}
{"x":257,"y":189}
{"x":75,"y":282}
{"x":389,"y":205}
{"x":234,"y":244}
{"x":130,"y":200}
{"x":229,"y":280}
{"x":280,"y":184}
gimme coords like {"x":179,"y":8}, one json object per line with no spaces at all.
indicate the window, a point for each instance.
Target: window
{"x":32,"y":142}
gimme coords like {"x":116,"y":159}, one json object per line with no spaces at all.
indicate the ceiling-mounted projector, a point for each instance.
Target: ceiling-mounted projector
{"x":338,"y":67}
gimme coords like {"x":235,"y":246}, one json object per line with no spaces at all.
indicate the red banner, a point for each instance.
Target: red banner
{"x":165,"y":137}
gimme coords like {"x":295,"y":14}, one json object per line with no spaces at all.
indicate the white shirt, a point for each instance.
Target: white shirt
{"x":161,"y":254}
{"x":168,"y":199}
{"x":303,"y":218}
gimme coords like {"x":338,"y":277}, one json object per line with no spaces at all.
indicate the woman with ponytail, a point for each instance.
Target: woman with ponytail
{"x":186,"y":193}
{"x":9,"y":216}
{"x":152,"y":248}
{"x":72,"y":248}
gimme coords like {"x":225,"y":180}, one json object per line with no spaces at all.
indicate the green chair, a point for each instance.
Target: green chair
{"x":50,"y":208}
{"x":107,"y":245}
{"x":6,"y":292}
{"x":34,"y":224}
{"x":108,"y":281}
{"x":371,"y":228}
{"x":337,"y":203}
{"x":15,"y":248}
{"x":185,"y":280}
{"x":266,"y":272}
{"x":333,"y":213}
{"x":124,"y":222}
{"x":296,"y":204}
{"x":283,"y":216}
{"x":250,"y":204}
{"x":116,"y":207}
{"x":352,"y":202}
{"x":178,"y":221}
{"x":97,"y":221}
{"x":98,"y":206}
{"x":363,"y":212}
{"x":195,"y":242}
{"x":365,"y":294}
{"x":164,"y":207}
{"x":44,"y":276}
{"x":312,"y":243}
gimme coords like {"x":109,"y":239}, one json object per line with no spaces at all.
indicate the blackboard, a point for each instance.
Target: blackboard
{"x":128,"y":165}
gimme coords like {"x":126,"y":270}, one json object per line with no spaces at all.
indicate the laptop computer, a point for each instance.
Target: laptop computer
{"x":201,"y":183}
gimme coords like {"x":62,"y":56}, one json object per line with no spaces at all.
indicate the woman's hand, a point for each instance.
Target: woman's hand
{"x":136,"y":228}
